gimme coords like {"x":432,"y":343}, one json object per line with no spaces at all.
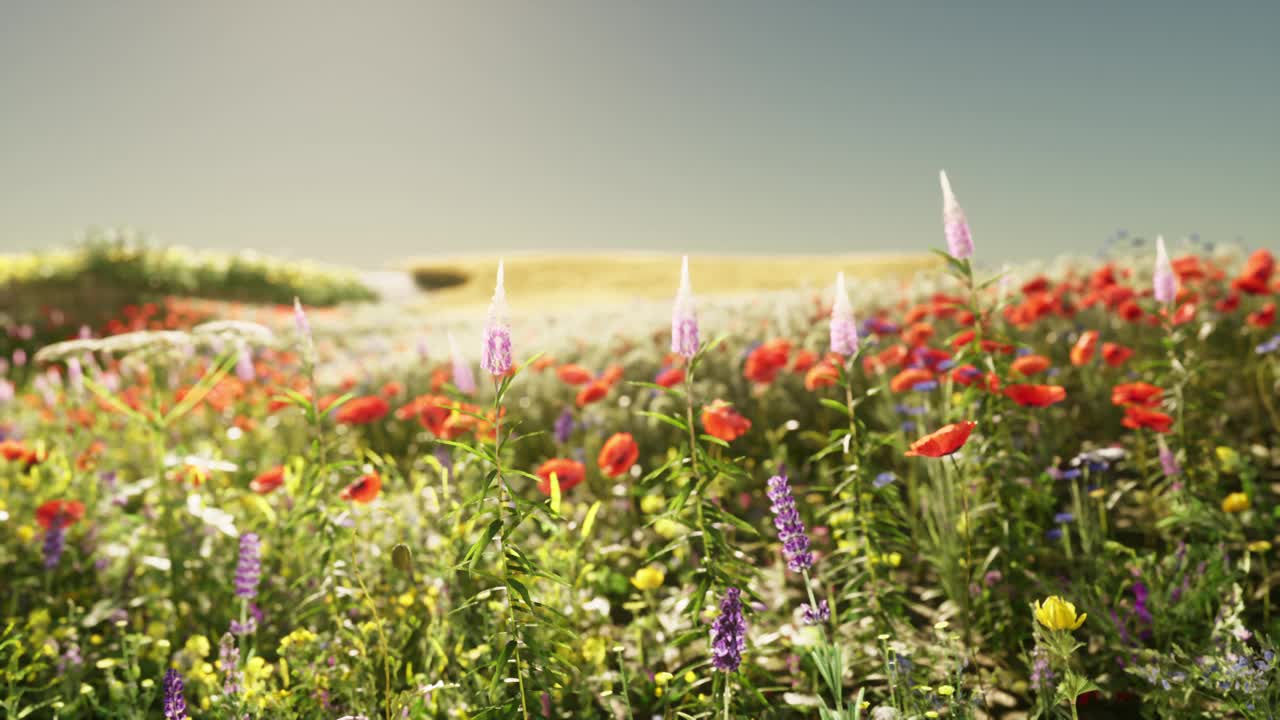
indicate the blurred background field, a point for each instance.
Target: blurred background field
{"x":560,"y":280}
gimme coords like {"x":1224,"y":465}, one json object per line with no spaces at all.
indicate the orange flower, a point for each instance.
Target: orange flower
{"x":822,"y":375}
{"x":1082,"y":351}
{"x":593,"y":392}
{"x":1029,"y":365}
{"x":362,"y":410}
{"x":617,"y":456}
{"x":568,"y":474}
{"x":670,"y":377}
{"x":1115,"y":354}
{"x":1136,"y":416}
{"x":59,"y":512}
{"x":909,"y":378}
{"x":543,"y":362}
{"x":13,"y":450}
{"x":917,"y":334}
{"x":943,"y":441}
{"x":1255,"y":277}
{"x":891,"y":356}
{"x":268,"y":480}
{"x":766,"y":360}
{"x":1136,"y":393}
{"x":1036,"y":395}
{"x":364,"y":489}
{"x":573,"y":374}
{"x":720,"y":420}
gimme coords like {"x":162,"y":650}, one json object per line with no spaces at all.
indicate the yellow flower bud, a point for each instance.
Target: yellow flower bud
{"x":1235,"y":502}
{"x":648,"y":578}
{"x":1058,"y":614}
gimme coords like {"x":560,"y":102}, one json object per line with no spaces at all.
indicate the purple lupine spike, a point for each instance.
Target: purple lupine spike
{"x":729,"y":633}
{"x":844,"y":330}
{"x":244,"y":365}
{"x":1163,"y":282}
{"x":463,"y":379}
{"x":954,"y":224}
{"x":1168,"y":461}
{"x":300,"y":319}
{"x":175,"y":703}
{"x":249,"y":567}
{"x":55,"y":541}
{"x":229,"y":658}
{"x":75,"y":375}
{"x":684,"y":319}
{"x":795,"y":542}
{"x":564,"y":426}
{"x":495,"y":353}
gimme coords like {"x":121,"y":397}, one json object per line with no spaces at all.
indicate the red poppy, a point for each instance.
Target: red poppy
{"x":1082,"y":351}
{"x":12,"y":450}
{"x":392,"y":389}
{"x":363,"y":410}
{"x":1036,"y":395}
{"x":764,"y":362}
{"x":805,"y":359}
{"x":1029,"y":365}
{"x":1185,"y":313}
{"x":721,"y":421}
{"x":1129,"y":310}
{"x":1255,"y":277}
{"x":574,"y":374}
{"x":670,"y":377}
{"x":593,"y":392}
{"x":59,"y":512}
{"x":364,"y":489}
{"x":1136,"y":393}
{"x":618,"y":454}
{"x":891,"y":356}
{"x":1136,"y":416}
{"x":1264,"y":317}
{"x":909,"y":378}
{"x":1115,"y":354}
{"x":543,"y":362}
{"x":966,"y":375}
{"x":917,"y":334}
{"x":268,"y":480}
{"x":822,"y":375}
{"x":568,"y":474}
{"x":963,"y":338}
{"x":612,"y":375}
{"x":943,"y":441}
{"x":1228,"y":304}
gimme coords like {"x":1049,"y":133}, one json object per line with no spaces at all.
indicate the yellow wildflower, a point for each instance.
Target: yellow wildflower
{"x":1259,"y":546}
{"x":1229,"y":458}
{"x":197,"y":646}
{"x":648,"y":578}
{"x":25,"y":533}
{"x":1058,"y":614}
{"x":662,"y":678}
{"x":593,"y":650}
{"x":946,"y":690}
{"x":651,"y":504}
{"x":1235,"y":502}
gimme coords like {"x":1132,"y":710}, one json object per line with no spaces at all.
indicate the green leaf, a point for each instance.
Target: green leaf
{"x":835,"y":405}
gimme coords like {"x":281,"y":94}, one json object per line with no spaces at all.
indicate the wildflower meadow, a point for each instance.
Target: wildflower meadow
{"x":1039,"y":491}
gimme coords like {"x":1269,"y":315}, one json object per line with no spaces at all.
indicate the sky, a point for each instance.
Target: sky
{"x":366,"y":133}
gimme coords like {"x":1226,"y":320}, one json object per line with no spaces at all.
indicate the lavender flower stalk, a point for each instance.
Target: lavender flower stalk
{"x":1168,"y":461}
{"x":175,"y":704}
{"x":564,"y":426}
{"x":795,"y":542}
{"x":249,"y":567}
{"x":463,"y":379}
{"x":729,"y":633}
{"x":844,"y":330}
{"x":1163,"y":282}
{"x":495,"y":354}
{"x":55,"y":541}
{"x":954,"y":224}
{"x":684,"y":321}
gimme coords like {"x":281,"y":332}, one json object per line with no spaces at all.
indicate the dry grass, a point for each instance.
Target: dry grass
{"x":570,"y":280}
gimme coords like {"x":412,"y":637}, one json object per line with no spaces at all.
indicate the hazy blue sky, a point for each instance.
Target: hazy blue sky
{"x":365,"y":132}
